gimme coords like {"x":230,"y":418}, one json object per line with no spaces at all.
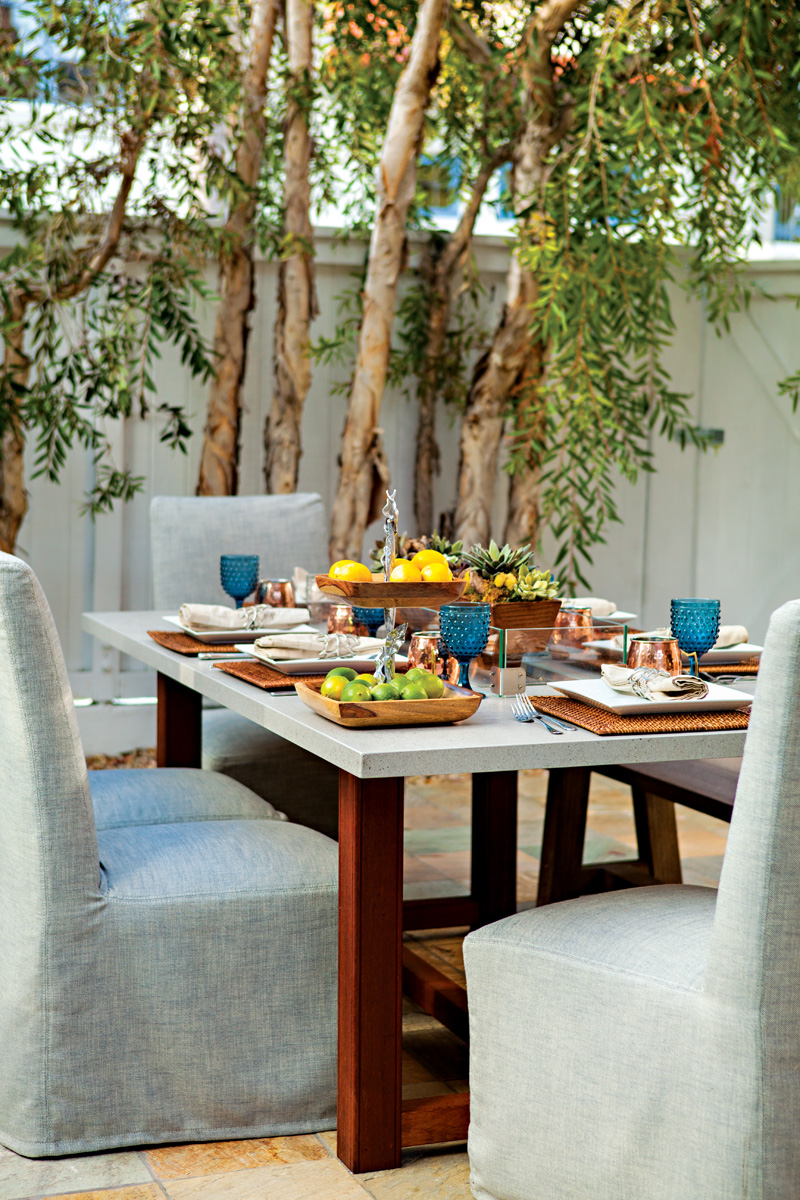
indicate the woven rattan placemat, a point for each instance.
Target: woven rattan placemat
{"x":181,"y":643}
{"x":748,"y":666}
{"x":597,"y":720}
{"x":263,"y":676}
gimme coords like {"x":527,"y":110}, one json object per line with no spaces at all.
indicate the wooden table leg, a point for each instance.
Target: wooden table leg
{"x":370,"y":1007}
{"x":560,"y":876}
{"x":657,"y":836}
{"x":494,"y":845}
{"x":179,"y":724}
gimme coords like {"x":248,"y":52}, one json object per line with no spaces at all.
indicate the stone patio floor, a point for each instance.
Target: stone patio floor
{"x":434,"y":1060}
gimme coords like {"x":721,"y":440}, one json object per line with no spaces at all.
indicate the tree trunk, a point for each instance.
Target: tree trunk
{"x":444,"y":273}
{"x":364,"y":471}
{"x":16,"y":368}
{"x":219,"y":462}
{"x":506,"y":369}
{"x":494,"y":379}
{"x":296,"y":299}
{"x":524,"y":485}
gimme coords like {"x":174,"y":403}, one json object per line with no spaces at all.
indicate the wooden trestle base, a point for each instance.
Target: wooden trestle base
{"x":434,"y":1119}
{"x":373,"y":1123}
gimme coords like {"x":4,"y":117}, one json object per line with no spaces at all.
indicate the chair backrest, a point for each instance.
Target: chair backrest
{"x":755,"y":950}
{"x":48,"y":846}
{"x":189,"y":533}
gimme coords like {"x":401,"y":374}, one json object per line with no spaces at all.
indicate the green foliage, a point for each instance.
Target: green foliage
{"x":677,"y":129}
{"x":149,"y":85}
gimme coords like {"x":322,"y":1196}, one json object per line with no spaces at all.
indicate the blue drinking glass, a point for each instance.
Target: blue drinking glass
{"x":371,"y":617}
{"x":238,"y":574}
{"x":695,"y":623}
{"x":465,"y":632}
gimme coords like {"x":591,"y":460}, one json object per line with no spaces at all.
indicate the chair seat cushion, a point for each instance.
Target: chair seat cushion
{"x":298,"y":783}
{"x":660,"y":934}
{"x":141,"y":796}
{"x":218,"y":859}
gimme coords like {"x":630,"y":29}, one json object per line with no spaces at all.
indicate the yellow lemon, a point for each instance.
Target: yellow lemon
{"x":355,"y":572}
{"x":437,"y":572}
{"x":423,"y":557}
{"x":405,"y":572}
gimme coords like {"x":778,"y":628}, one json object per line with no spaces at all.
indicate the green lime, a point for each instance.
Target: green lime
{"x":356,"y":690}
{"x":369,"y":680}
{"x":333,"y":687}
{"x":431,"y":685}
{"x":385,"y":691}
{"x":415,"y":673}
{"x":348,"y":672}
{"x":413,"y":691}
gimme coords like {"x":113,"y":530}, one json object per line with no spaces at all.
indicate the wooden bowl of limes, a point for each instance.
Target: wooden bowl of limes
{"x":423,"y":581}
{"x":360,"y":702}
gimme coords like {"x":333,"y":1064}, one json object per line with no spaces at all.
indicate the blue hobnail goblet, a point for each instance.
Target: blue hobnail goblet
{"x":371,"y":617}
{"x":695,"y":623}
{"x":465,"y":632}
{"x":238,"y":574}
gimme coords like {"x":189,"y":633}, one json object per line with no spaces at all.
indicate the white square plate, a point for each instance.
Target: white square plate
{"x":227,"y":637}
{"x":305,"y":665}
{"x":597,"y":693}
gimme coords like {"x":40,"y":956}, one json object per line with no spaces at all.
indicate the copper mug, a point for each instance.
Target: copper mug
{"x":341,"y":620}
{"x":573,"y":627}
{"x":277,"y":592}
{"x":661,"y":652}
{"x":427,"y":650}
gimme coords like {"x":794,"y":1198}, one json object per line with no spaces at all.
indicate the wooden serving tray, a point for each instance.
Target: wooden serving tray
{"x":455,"y":705}
{"x":379,"y":594}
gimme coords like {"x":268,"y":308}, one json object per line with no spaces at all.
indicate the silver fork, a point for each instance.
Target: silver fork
{"x":564,"y":726}
{"x":523,"y":710}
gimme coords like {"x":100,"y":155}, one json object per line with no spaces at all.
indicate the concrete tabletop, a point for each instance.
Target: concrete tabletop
{"x":491,"y":740}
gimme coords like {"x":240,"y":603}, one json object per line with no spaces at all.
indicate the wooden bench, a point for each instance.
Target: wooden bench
{"x":707,"y":785}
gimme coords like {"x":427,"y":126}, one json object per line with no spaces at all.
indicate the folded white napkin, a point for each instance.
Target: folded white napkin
{"x":648,"y":679}
{"x":599,"y":607}
{"x":318,"y":645}
{"x":258,"y":616}
{"x":731,"y":635}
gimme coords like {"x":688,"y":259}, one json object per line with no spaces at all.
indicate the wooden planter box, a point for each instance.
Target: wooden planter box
{"x":525,"y":616}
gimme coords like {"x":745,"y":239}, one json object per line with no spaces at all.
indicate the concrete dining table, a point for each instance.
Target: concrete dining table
{"x":373,"y":1122}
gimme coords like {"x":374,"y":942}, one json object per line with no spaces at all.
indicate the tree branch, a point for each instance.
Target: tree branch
{"x":469,"y":41}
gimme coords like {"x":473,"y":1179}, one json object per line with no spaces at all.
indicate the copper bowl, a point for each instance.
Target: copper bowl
{"x":341,"y":620}
{"x":427,"y":650}
{"x":660,"y":652}
{"x":277,"y":592}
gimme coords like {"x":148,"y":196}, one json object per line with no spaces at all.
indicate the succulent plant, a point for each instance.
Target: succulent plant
{"x":535,"y":584}
{"x":453,"y":551}
{"x":494,"y":560}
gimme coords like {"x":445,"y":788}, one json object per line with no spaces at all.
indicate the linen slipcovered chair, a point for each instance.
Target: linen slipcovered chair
{"x":647,"y":1043}
{"x":168,"y":977}
{"x":188,"y":534}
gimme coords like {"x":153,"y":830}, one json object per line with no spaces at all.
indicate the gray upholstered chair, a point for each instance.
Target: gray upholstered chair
{"x":167,"y":973}
{"x":647,"y":1043}
{"x":188,"y":534}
